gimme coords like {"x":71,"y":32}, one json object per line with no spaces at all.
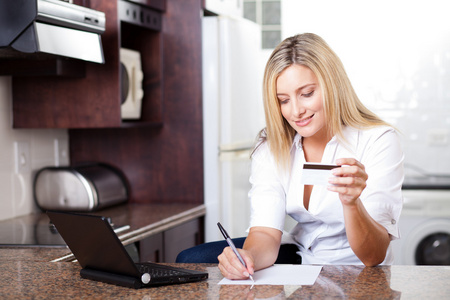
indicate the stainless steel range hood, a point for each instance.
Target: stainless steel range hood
{"x":52,"y":26}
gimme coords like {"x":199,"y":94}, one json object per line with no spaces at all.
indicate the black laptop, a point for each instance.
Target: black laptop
{"x":103,"y":257}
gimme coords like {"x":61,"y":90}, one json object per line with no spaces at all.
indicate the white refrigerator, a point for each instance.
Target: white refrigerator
{"x":232,"y":117}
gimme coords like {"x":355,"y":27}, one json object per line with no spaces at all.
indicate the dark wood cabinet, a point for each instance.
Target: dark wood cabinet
{"x":165,"y":246}
{"x":93,"y":101}
{"x":164,"y":164}
{"x":61,"y":102}
{"x":151,"y":249}
{"x":182,"y":237}
{"x":162,"y":153}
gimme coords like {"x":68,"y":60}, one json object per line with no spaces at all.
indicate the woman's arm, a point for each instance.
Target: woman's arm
{"x":368,"y":239}
{"x":260,"y":251}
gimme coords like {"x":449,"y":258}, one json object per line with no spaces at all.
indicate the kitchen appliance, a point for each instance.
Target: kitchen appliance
{"x":52,"y":27}
{"x":83,"y":188}
{"x":131,"y":87}
{"x":424,"y":222}
{"x":233,"y":115}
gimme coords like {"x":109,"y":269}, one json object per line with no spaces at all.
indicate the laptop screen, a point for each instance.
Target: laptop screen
{"x":94,"y":243}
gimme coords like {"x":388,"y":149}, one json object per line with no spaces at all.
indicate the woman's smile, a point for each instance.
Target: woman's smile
{"x":304,"y":121}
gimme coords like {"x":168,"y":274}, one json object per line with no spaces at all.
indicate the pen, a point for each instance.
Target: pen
{"x":231,"y":244}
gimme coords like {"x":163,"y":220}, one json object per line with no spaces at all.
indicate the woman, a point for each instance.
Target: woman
{"x":313,"y":115}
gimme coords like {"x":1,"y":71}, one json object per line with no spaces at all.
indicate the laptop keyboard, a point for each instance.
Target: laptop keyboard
{"x":158,"y":272}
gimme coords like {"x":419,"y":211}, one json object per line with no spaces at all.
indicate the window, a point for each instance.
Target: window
{"x":266,"y":13}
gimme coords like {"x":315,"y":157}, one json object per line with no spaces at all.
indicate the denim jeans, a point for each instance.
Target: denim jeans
{"x":208,"y":252}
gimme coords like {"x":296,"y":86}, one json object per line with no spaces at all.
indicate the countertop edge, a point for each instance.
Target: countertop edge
{"x":172,"y":221}
{"x":154,"y":228}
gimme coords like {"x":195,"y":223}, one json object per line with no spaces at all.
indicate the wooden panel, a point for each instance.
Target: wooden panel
{"x":180,"y":238}
{"x":43,"y":67}
{"x":156,"y":4}
{"x":151,"y":249}
{"x":163,"y":164}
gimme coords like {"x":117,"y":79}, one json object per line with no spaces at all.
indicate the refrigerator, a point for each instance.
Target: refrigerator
{"x":233,"y":115}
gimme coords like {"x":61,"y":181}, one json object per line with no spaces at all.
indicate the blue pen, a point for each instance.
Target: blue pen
{"x":231,"y":244}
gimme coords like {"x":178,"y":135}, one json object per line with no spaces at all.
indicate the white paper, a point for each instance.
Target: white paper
{"x":281,"y":275}
{"x":316,"y":176}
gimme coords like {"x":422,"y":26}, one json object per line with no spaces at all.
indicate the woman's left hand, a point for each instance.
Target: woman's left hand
{"x":349,"y":180}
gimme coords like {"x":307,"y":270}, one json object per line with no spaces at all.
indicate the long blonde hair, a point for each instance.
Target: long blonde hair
{"x":342,"y":106}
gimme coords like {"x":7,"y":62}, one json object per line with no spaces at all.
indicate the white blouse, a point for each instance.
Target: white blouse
{"x":320,"y":232}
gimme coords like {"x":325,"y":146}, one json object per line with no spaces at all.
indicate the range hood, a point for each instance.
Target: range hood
{"x":53,"y":27}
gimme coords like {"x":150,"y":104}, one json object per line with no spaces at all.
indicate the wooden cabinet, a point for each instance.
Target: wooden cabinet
{"x":164,"y":164}
{"x":162,"y":153}
{"x":151,"y":249}
{"x":182,"y":237}
{"x":165,"y":246}
{"x":93,"y":101}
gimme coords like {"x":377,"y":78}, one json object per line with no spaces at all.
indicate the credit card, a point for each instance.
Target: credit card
{"x":317,"y":173}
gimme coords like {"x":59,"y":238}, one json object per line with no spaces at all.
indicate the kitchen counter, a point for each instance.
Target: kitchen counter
{"x":35,"y":279}
{"x":39,"y":272}
{"x":143,"y":220}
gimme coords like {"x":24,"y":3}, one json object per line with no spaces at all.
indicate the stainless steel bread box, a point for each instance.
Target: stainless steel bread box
{"x":82,"y":188}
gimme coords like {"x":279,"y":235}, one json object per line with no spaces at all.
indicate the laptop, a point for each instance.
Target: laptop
{"x":103,"y":257}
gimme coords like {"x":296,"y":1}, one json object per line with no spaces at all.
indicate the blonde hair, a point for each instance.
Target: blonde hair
{"x":342,"y":106}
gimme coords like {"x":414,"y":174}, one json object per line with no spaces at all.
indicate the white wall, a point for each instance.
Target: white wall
{"x":397,"y":55}
{"x":42,"y":147}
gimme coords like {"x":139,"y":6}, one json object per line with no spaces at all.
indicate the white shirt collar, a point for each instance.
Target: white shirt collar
{"x":298,"y":141}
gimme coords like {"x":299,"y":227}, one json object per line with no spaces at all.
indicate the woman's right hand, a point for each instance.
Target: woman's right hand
{"x":232,"y":268}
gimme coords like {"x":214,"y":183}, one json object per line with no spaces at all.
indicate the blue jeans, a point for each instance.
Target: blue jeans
{"x":208,"y":252}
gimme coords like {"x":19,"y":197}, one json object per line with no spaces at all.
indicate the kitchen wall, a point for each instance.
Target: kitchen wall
{"x":22,"y":153}
{"x":397,"y":55}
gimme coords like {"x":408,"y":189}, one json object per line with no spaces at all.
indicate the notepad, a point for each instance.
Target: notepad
{"x":280,"y":275}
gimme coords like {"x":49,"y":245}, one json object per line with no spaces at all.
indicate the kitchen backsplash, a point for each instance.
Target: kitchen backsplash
{"x":22,"y":153}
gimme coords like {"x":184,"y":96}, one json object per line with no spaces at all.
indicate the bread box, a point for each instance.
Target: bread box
{"x":82,"y":188}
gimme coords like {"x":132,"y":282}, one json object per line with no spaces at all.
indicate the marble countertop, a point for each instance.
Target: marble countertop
{"x":26,"y":276}
{"x":31,"y":273}
{"x":143,"y":220}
